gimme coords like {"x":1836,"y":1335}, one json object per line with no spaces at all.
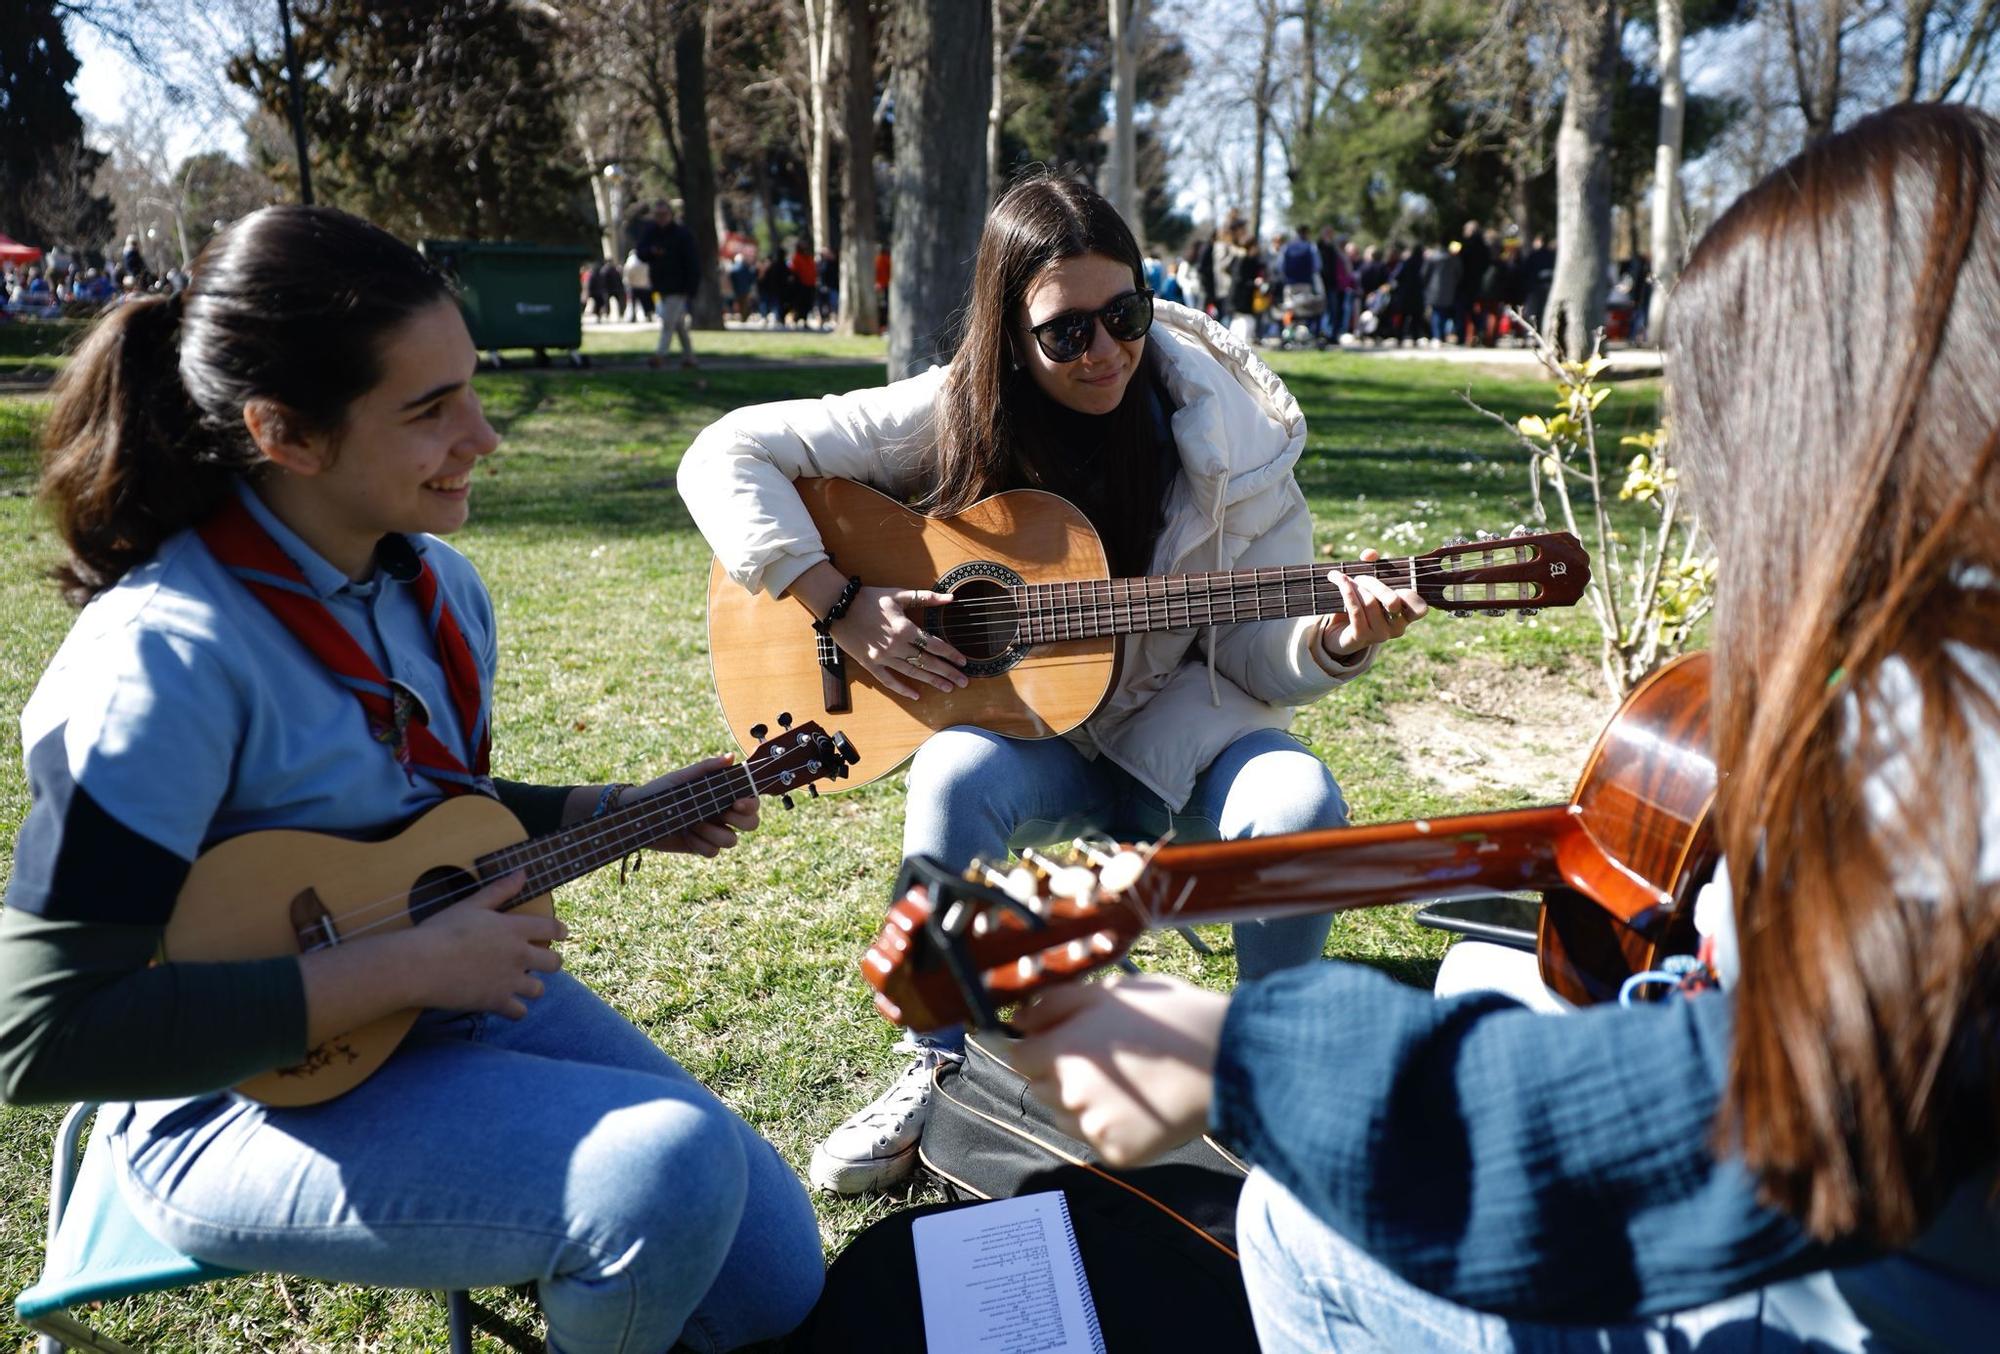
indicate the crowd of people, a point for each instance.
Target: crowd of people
{"x":792,"y":287}
{"x":1321,"y":289}
{"x":75,"y":282}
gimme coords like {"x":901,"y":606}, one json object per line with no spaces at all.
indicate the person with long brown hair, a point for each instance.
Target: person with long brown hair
{"x":1177,"y":444}
{"x":1806,"y":1156}
{"x":251,"y":480}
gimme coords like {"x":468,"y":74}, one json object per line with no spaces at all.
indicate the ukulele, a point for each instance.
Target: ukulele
{"x":1618,"y":867}
{"x":288,"y":892}
{"x":1038,"y":615}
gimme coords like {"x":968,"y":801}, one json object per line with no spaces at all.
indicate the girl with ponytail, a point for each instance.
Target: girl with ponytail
{"x":299,"y":424}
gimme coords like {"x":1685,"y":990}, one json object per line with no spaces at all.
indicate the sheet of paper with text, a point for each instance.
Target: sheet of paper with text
{"x":1005,"y":1278}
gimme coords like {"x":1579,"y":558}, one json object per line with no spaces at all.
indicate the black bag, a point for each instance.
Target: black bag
{"x":1158,"y":1243}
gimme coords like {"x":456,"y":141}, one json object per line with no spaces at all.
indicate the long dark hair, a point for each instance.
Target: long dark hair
{"x":1832,"y":353}
{"x":146,"y":433}
{"x":995,"y":429}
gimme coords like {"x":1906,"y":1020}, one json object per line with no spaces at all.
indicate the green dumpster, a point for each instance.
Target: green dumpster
{"x":516,"y":295}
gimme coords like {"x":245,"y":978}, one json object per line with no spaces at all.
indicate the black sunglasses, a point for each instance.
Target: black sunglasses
{"x":1067,"y":337}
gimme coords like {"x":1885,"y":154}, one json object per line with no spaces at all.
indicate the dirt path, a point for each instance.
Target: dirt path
{"x":1500,"y":727}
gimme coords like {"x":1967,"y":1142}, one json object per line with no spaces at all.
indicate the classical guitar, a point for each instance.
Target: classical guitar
{"x":1036,"y":611}
{"x":1618,"y":867}
{"x":283,"y":892}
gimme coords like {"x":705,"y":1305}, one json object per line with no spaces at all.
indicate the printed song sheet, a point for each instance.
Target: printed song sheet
{"x":1005,"y":1278}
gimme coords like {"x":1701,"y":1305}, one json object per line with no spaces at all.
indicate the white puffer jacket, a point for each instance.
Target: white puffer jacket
{"x":1235,"y":505}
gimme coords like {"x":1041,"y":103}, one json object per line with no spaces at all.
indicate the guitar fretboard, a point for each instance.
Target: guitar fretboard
{"x":553,"y":860}
{"x":1050,"y":612}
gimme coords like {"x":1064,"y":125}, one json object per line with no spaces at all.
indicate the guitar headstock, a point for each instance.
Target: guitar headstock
{"x":1523,"y":572}
{"x":955,"y":948}
{"x":798,"y":758}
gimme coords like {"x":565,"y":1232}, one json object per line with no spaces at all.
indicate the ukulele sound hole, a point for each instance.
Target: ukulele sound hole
{"x":438,"y":889}
{"x":982,"y":622}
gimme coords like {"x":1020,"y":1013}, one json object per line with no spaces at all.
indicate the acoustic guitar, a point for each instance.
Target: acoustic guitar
{"x":1038,"y":615}
{"x":1618,"y":867}
{"x":274,"y":893}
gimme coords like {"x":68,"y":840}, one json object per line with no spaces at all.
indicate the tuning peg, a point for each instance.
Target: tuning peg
{"x":1484,"y":536}
{"x":1456,"y":540}
{"x":846,"y":749}
{"x":760,"y":731}
{"x":1461,"y":614}
{"x":1527,"y":611}
{"x":812,"y":791}
{"x":786,"y":800}
{"x":785,"y":719}
{"x":1520,"y":529}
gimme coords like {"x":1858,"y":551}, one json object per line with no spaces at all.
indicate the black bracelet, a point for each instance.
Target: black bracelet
{"x":839,"y":608}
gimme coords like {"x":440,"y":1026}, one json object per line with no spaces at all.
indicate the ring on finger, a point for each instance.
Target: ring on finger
{"x":914,"y":660}
{"x":923,"y":642}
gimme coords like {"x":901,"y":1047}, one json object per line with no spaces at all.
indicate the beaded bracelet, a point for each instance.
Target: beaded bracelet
{"x":839,"y":608}
{"x":608,"y":797}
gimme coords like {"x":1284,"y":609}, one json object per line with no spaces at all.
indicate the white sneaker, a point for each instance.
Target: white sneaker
{"x":877,"y":1145}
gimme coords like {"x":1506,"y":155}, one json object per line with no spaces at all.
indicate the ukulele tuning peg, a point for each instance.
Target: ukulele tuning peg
{"x":1456,"y":540}
{"x":1461,"y":614}
{"x":785,"y":719}
{"x":760,"y":731}
{"x":1520,"y":529}
{"x":1484,"y":536}
{"x":786,"y":800}
{"x":846,"y":749}
{"x":812,"y":792}
{"x":1526,"y":612}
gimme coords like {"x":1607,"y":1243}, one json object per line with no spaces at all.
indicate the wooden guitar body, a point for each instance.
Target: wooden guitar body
{"x":1039,"y":617}
{"x":764,"y":657}
{"x":271,"y":893}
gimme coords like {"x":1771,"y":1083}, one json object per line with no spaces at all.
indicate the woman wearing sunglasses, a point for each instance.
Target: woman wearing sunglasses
{"x":1178,"y":444}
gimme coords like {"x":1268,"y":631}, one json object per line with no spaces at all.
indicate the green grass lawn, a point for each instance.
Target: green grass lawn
{"x":745,"y":967}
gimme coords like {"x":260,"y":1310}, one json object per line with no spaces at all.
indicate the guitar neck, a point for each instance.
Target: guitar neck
{"x":1052,"y":612}
{"x":554,"y":859}
{"x":1336,"y":869}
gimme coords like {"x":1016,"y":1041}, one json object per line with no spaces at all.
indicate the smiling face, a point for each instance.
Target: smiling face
{"x":1094,"y":383}
{"x":402,"y":460}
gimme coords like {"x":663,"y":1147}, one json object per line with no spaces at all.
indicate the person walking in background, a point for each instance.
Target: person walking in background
{"x":742,"y":286}
{"x":1538,"y":277}
{"x":1442,"y":275}
{"x":1188,"y":272}
{"x":828,"y":264}
{"x":882,"y":285}
{"x":1475,"y":256}
{"x":805,"y":283}
{"x":667,"y":248}
{"x":639,"y":284}
{"x":774,"y":288}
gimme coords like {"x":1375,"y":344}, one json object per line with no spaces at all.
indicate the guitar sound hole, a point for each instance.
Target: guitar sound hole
{"x":982,"y":621}
{"x":437,"y":889}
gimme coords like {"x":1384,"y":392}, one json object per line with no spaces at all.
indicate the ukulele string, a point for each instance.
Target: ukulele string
{"x":671,"y":810}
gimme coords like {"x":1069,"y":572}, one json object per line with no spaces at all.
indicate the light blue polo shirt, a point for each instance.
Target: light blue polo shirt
{"x":179,"y":710}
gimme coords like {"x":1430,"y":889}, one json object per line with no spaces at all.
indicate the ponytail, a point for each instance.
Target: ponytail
{"x":290,"y":305}
{"x":126,"y":462}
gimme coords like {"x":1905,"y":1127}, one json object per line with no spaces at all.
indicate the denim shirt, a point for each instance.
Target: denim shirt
{"x":1559,"y":1169}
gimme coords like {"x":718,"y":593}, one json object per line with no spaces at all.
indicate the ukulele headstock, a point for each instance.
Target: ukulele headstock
{"x":956,"y":947}
{"x":1522,"y":572}
{"x":798,"y":758}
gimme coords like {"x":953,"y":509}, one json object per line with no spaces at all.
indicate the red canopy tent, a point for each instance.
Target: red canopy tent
{"x":12,"y":251}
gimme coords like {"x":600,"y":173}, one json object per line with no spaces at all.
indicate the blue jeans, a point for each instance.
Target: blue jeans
{"x":564,"y":1149}
{"x":977,"y":794}
{"x":1312,"y":1289}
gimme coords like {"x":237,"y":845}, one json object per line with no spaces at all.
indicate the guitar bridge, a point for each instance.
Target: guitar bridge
{"x":311,"y":923}
{"x":832,"y":675}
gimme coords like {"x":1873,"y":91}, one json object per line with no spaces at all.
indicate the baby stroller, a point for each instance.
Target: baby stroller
{"x":1304,"y":306}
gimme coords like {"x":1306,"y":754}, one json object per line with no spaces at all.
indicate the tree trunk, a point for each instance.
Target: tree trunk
{"x":1666,"y":243}
{"x":1916,"y":26}
{"x":697,"y":163}
{"x":857,"y":205}
{"x":942,"y":83}
{"x":1125,"y":17}
{"x":996,"y":113}
{"x":1583,"y":178}
{"x":1269,"y":13}
{"x":818,"y":28}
